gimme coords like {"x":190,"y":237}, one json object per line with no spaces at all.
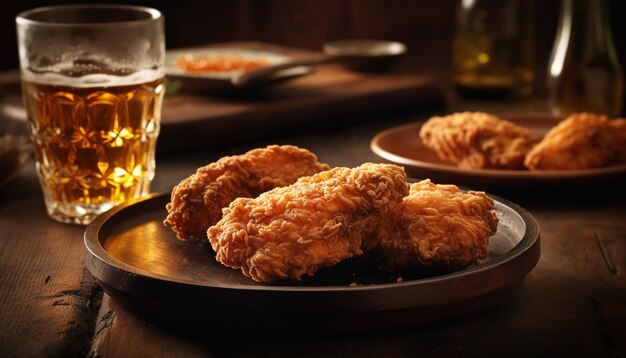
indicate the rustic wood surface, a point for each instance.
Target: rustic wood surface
{"x":572,"y":304}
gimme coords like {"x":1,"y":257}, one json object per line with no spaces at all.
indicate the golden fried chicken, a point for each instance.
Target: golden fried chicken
{"x":435,"y":227}
{"x":476,"y":140}
{"x":197,"y":201}
{"x":619,"y":138}
{"x":581,"y":141}
{"x":316,"y":222}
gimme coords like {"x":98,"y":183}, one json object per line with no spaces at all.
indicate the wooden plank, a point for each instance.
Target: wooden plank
{"x":47,"y":301}
{"x":292,"y":22}
{"x":243,"y":122}
{"x":121,"y":333}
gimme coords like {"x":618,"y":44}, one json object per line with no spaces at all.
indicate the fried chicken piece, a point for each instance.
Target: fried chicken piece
{"x":197,"y":201}
{"x":619,"y":139}
{"x":435,"y":227}
{"x":316,"y":222}
{"x":581,"y":141}
{"x":477,"y":140}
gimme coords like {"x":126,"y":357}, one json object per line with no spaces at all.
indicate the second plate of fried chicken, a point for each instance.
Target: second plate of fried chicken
{"x":509,"y":151}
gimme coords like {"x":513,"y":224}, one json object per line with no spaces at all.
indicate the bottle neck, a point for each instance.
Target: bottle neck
{"x":589,"y":23}
{"x":583,"y":36}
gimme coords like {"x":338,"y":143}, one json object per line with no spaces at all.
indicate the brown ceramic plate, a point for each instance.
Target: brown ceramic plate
{"x":402,"y":145}
{"x":140,"y":263}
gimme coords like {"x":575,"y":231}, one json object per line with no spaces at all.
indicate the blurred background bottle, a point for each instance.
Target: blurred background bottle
{"x":493,"y":48}
{"x":584,"y":73}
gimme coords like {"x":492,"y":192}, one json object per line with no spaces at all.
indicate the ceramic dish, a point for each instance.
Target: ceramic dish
{"x":140,"y":263}
{"x":223,"y":80}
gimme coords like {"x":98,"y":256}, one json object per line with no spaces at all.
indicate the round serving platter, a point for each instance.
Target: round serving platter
{"x":140,"y":263}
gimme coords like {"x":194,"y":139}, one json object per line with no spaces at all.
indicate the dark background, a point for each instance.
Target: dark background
{"x":426,"y":26}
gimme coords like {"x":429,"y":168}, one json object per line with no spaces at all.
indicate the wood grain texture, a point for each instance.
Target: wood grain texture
{"x":118,"y":333}
{"x":47,"y":300}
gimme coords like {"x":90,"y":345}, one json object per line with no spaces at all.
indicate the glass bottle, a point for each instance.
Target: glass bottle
{"x":492,"y":50}
{"x":584,"y":74}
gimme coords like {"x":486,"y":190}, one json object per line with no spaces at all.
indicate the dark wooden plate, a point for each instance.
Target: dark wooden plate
{"x":140,"y":263}
{"x":402,"y":145}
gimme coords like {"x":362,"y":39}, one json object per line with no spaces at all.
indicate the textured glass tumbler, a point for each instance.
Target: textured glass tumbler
{"x":92,"y":85}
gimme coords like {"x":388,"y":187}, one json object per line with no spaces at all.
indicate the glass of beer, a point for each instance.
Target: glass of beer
{"x":92,"y":85}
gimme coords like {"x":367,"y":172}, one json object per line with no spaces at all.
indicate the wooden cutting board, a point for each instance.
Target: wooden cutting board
{"x":330,"y":96}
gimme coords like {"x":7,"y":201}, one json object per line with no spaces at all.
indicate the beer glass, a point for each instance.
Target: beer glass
{"x":92,"y":85}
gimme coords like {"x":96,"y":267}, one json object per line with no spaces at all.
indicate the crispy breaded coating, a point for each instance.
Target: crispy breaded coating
{"x":581,"y":141}
{"x":477,"y":140}
{"x":435,"y":226}
{"x":619,"y":138}
{"x":197,"y":201}
{"x":316,"y":222}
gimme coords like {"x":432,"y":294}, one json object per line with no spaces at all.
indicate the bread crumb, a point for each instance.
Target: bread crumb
{"x":353,"y":284}
{"x":399,"y":280}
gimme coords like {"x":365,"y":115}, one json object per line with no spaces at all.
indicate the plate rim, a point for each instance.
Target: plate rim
{"x":93,"y":249}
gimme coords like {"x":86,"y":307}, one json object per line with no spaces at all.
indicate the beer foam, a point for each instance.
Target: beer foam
{"x":93,"y":79}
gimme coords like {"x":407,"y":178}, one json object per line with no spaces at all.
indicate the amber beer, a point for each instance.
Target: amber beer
{"x":95,"y":139}
{"x":92,"y":83}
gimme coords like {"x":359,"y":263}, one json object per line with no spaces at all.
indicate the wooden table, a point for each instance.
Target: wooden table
{"x":572,"y":304}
